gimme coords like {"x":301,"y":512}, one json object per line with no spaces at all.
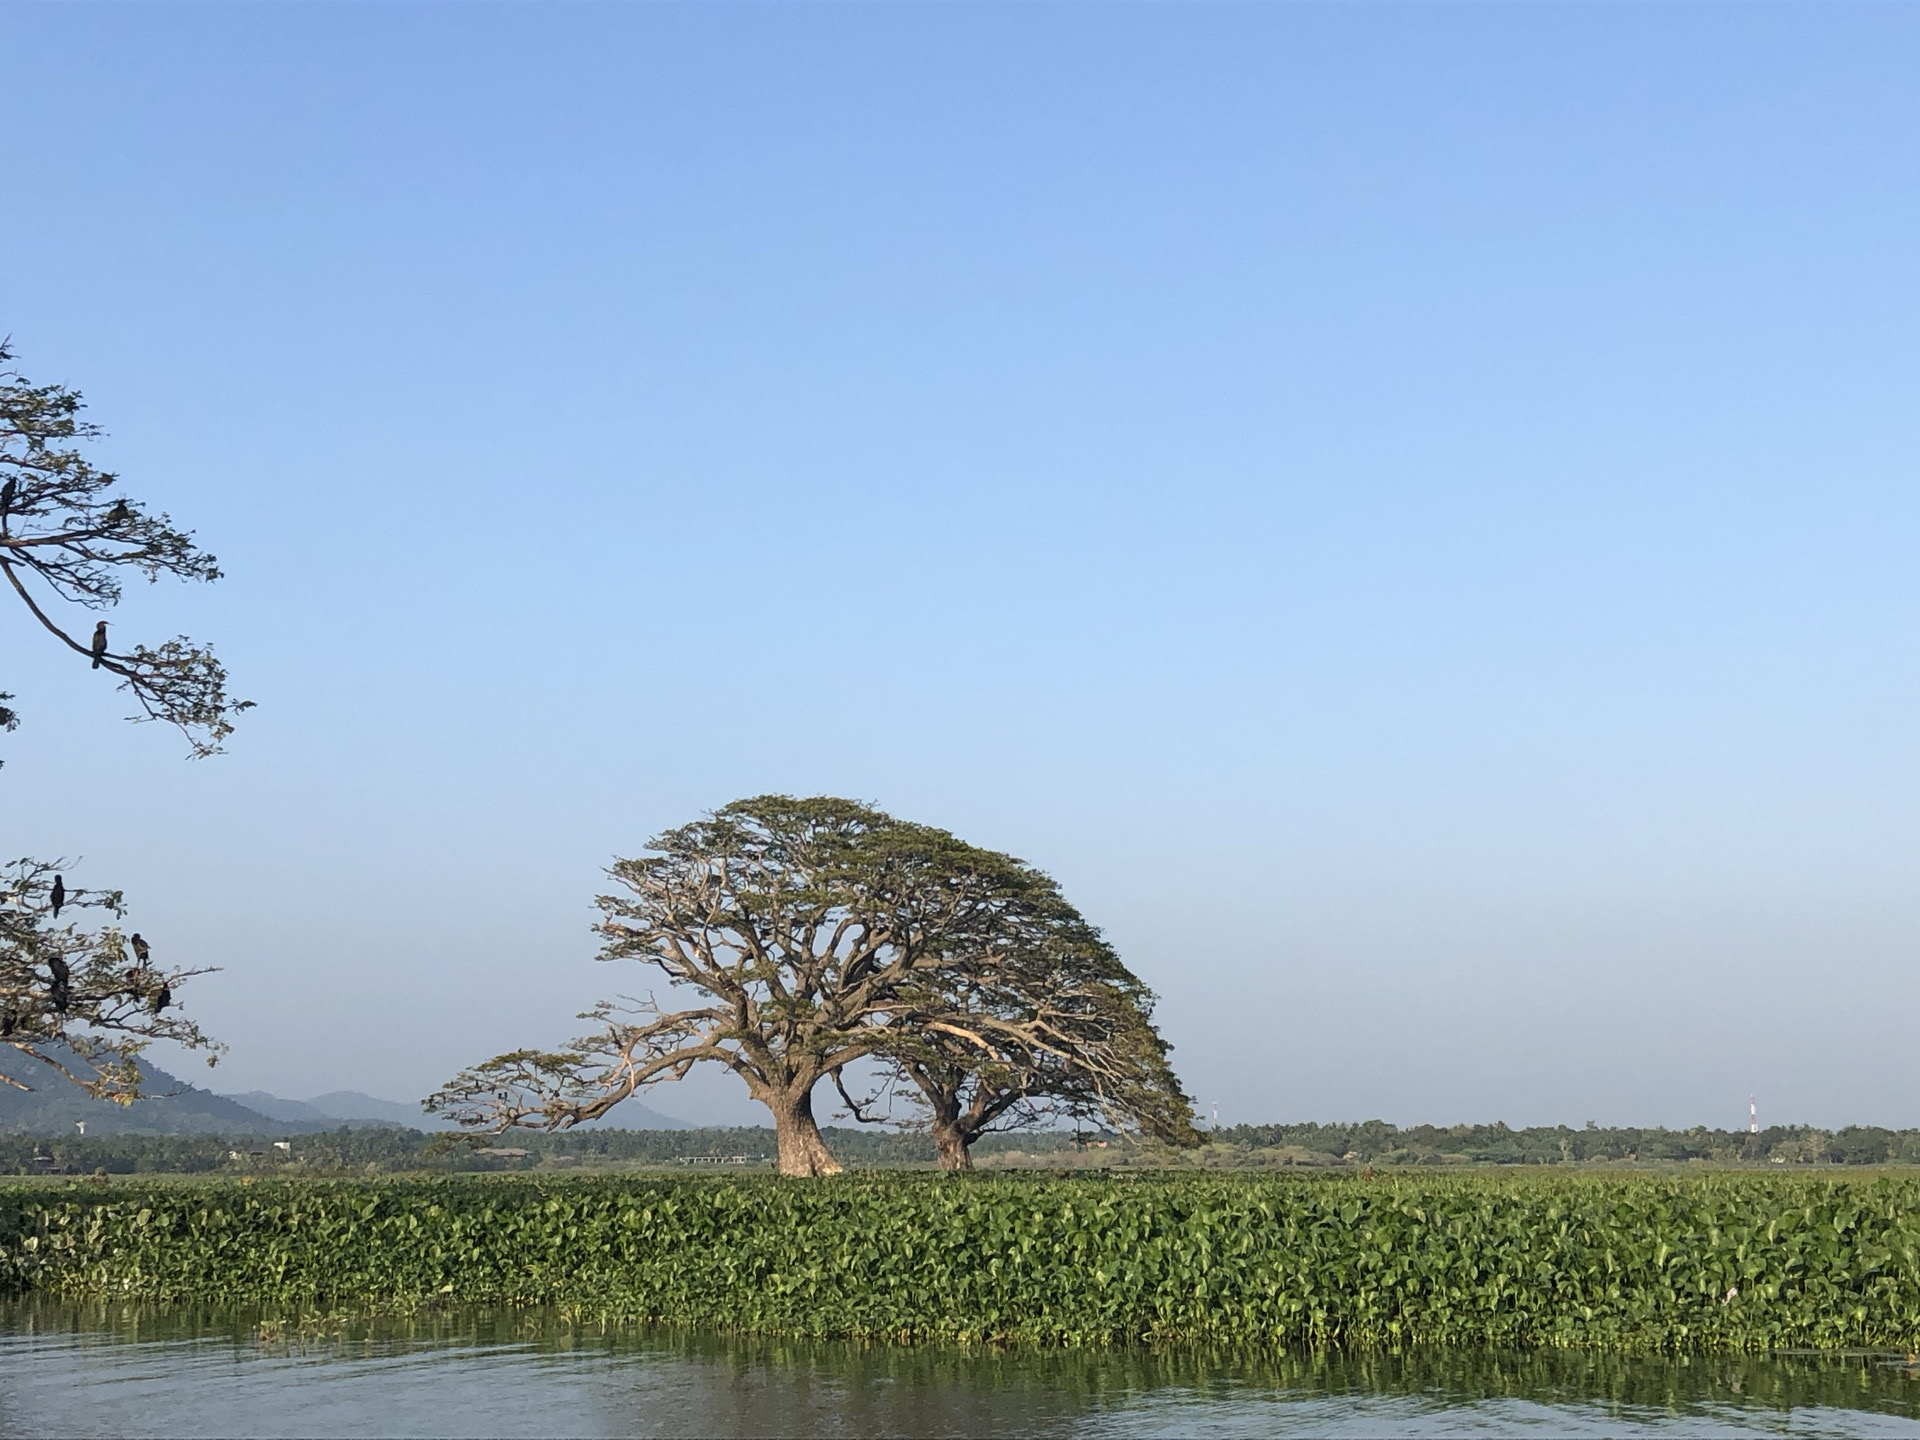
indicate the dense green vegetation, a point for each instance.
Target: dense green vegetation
{"x":331,"y":1152}
{"x":383,"y":1150}
{"x":1376,"y":1142}
{"x":1716,"y":1261}
{"x":389,"y":1151}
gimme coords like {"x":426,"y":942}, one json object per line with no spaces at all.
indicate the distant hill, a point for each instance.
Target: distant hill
{"x":352,"y":1107}
{"x":632,"y":1115}
{"x":355,"y":1105}
{"x":56,"y":1106}
{"x":342,"y":1107}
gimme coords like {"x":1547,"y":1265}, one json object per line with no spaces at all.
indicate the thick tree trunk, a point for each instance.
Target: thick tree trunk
{"x":950,"y":1140}
{"x":950,"y":1134}
{"x":797,"y":1137}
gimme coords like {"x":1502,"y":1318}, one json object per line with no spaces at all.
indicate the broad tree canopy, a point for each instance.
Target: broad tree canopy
{"x":1062,"y":1031}
{"x":813,"y":933}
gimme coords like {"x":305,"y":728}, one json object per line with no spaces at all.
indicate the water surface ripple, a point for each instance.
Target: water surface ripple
{"x":87,"y":1371}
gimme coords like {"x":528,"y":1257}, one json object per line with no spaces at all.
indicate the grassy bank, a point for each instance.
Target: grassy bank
{"x":1627,"y":1263}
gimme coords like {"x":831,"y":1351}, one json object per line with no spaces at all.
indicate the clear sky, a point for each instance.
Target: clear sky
{"x":1410,"y":512}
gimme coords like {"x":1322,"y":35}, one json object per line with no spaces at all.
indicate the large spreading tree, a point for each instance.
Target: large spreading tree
{"x":814,"y":934}
{"x":85,"y":1001}
{"x":1062,"y":1031}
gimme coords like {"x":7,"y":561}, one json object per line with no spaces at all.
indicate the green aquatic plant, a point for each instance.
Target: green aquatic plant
{"x":1722,"y":1262}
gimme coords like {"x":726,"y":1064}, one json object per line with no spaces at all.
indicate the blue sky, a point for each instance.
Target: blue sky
{"x":1408,"y":511}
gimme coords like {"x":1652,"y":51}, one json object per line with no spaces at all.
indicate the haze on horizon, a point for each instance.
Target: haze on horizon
{"x":1408,"y":511}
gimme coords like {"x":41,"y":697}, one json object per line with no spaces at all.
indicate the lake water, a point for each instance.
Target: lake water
{"x":83,"y":1371}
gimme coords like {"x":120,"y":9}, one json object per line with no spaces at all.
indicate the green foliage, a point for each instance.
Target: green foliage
{"x":1719,"y":1262}
{"x":1375,"y":1140}
{"x":356,"y":1149}
{"x":388,"y":1150}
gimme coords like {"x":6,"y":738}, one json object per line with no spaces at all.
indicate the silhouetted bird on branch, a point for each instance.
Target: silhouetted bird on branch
{"x":58,"y":895}
{"x":120,"y":514}
{"x":162,"y":997}
{"x":7,"y":494}
{"x":99,"y":643}
{"x":60,"y":992}
{"x":141,"y":949}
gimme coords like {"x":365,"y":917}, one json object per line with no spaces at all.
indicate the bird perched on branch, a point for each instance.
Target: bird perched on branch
{"x":60,"y":992}
{"x":162,"y":998}
{"x":141,"y":949}
{"x":58,"y":895}
{"x":99,"y":643}
{"x":120,"y":514}
{"x":6,"y":495}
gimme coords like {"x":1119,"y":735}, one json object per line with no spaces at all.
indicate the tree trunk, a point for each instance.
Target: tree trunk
{"x":950,"y":1140}
{"x":797,"y":1137}
{"x":950,"y":1133}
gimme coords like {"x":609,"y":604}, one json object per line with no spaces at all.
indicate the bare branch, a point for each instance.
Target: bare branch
{"x":60,"y":527}
{"x":94,"y":995}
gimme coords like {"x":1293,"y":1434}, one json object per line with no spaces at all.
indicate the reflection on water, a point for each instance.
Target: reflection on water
{"x":71,"y":1370}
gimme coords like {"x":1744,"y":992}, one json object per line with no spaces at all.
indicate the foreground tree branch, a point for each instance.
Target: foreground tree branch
{"x":83,"y":1002}
{"x":63,"y":533}
{"x":86,"y":1002}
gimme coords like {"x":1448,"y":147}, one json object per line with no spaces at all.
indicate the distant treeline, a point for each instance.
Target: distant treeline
{"x":376,"y":1150}
{"x":1372,"y":1142}
{"x":1376,"y":1142}
{"x":336,"y":1150}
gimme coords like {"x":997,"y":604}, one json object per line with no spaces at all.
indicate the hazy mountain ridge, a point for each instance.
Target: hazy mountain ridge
{"x":338,"y":1107}
{"x":355,"y":1107}
{"x":56,"y":1106}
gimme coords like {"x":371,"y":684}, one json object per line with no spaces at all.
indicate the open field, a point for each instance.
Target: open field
{"x":1645,"y":1262}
